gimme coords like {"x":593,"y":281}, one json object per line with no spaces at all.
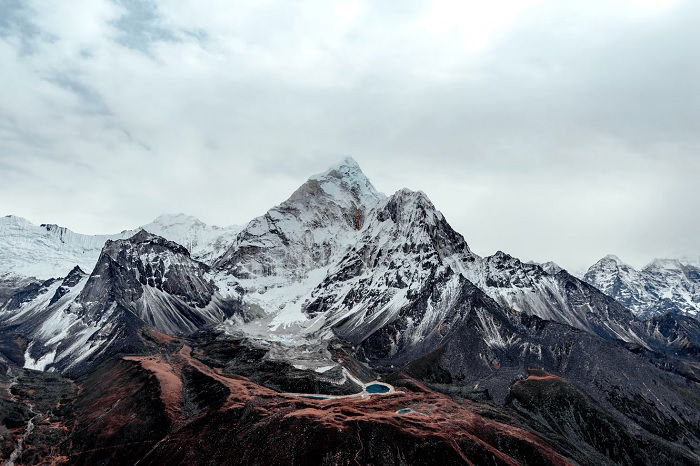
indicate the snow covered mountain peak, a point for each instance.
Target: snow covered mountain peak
{"x":410,"y":218}
{"x":317,"y":222}
{"x":551,"y":267}
{"x":48,"y":250}
{"x":346,"y":168}
{"x":343,"y":182}
{"x":176,"y":219}
{"x":405,"y":205}
{"x":612,"y":258}
{"x":205,"y":242}
{"x":610,"y":263}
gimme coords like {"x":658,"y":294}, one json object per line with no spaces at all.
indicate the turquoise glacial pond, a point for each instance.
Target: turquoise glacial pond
{"x":376,"y":388}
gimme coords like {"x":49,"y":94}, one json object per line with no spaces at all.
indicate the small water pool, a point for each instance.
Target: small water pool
{"x":409,"y":411}
{"x":312,"y":397}
{"x":376,"y":388}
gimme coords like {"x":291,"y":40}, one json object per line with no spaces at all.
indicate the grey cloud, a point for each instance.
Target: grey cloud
{"x":573,"y":134}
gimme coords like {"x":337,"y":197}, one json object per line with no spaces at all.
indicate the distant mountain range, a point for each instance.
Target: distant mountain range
{"x":333,"y":288}
{"x":50,"y":251}
{"x":665,"y":285}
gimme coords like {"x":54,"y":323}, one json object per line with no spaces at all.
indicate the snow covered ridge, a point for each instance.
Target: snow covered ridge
{"x":46,"y":251}
{"x":49,"y":251}
{"x":664,"y":285}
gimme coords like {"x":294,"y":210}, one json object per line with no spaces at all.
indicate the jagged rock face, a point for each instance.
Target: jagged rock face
{"x":677,"y":286}
{"x":145,"y":281}
{"x":11,"y":283}
{"x":664,"y":285}
{"x":315,"y":224}
{"x":410,"y":276}
{"x":619,"y":280}
{"x":35,"y":321}
{"x":153,"y":277}
{"x":395,"y":287}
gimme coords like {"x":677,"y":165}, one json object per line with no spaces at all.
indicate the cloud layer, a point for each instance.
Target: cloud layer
{"x":551,"y":130}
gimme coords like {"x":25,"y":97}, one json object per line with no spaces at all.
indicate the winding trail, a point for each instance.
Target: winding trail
{"x":19,"y":448}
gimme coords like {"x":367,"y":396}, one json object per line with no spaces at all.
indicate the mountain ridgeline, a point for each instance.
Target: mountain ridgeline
{"x":335,"y":287}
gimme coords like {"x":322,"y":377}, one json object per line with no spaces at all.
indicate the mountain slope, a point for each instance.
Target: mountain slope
{"x":559,"y":296}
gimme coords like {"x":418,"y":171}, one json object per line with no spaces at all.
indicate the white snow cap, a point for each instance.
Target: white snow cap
{"x":613,"y":258}
{"x":668,"y":264}
{"x":172,"y":219}
{"x":348,"y":176}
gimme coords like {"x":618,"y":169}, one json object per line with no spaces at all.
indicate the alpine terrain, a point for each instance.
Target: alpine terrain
{"x":342,"y":326}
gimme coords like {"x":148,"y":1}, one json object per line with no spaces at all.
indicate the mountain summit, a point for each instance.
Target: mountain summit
{"x":315,"y":224}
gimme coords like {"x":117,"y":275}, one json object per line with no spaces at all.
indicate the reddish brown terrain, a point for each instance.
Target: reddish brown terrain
{"x":170,"y":407}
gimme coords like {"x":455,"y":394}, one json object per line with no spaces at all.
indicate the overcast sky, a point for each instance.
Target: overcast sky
{"x":553,"y":130}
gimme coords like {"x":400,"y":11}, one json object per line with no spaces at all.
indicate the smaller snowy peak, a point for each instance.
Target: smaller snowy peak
{"x":151,"y":275}
{"x":416,"y":223}
{"x":142,"y":281}
{"x":503,"y":271}
{"x":49,"y":250}
{"x":143,"y":240}
{"x":612,"y":258}
{"x":608,"y":268}
{"x":551,"y":268}
{"x":14,"y":220}
{"x":170,"y":220}
{"x":608,"y":271}
{"x":664,"y":264}
{"x":205,"y":242}
{"x":74,"y":276}
{"x":406,"y":207}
